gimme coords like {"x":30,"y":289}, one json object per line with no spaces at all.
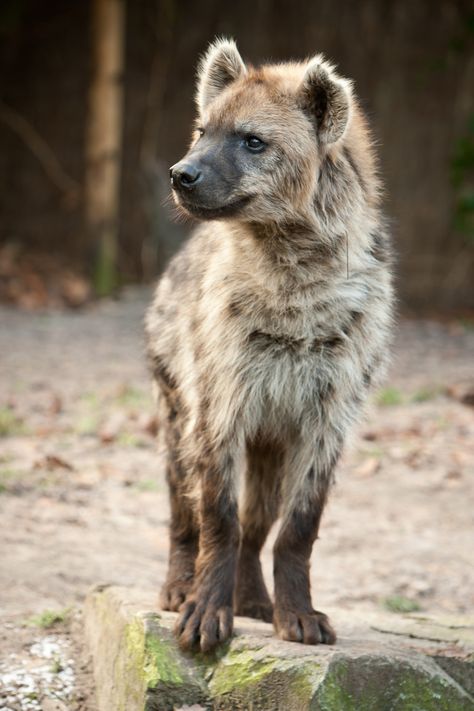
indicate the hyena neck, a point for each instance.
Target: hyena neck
{"x":287,"y":257}
{"x":302,"y":251}
{"x":336,"y":226}
{"x":297,"y":242}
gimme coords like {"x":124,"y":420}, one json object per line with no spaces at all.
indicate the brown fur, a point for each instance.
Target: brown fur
{"x":264,"y":336}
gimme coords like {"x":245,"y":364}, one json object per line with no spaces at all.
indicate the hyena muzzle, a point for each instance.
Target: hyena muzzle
{"x":265,"y":335}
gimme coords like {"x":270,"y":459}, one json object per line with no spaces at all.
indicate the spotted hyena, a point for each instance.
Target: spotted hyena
{"x":265,"y":335}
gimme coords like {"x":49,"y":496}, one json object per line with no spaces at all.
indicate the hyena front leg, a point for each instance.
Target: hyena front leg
{"x":259,"y":510}
{"x":184,"y":528}
{"x":294,"y":617}
{"x":206,"y":618}
{"x":184,"y":541}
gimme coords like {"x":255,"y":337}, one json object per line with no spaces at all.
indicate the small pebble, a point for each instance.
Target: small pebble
{"x":29,"y":679}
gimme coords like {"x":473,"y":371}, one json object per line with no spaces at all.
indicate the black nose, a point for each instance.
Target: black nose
{"x":184,"y":176}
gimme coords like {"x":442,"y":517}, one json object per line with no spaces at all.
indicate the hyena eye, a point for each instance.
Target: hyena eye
{"x":254,"y":144}
{"x":200,"y":131}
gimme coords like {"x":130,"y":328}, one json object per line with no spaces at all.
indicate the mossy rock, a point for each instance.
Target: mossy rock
{"x":254,"y":679}
{"x":138,"y":666}
{"x":389,"y":683}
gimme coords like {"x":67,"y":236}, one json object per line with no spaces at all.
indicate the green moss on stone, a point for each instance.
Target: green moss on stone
{"x":153,"y":656}
{"x":249,"y":679}
{"x":305,"y":682}
{"x":240,"y":670}
{"x":369,"y":684}
{"x":118,"y":651}
{"x":160,"y":663}
{"x":460,"y":669}
{"x":135,"y":644}
{"x":139,"y":668}
{"x":207,"y":663}
{"x":430,"y":694}
{"x":333,"y":693}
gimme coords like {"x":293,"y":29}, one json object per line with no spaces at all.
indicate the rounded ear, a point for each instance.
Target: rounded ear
{"x":326,"y":97}
{"x":221,"y":65}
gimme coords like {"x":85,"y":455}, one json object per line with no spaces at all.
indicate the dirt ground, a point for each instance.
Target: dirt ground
{"x":83,"y":498}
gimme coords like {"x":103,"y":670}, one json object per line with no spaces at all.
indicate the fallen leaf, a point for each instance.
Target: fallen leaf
{"x":453,"y":474}
{"x":53,"y":461}
{"x":367,"y":468}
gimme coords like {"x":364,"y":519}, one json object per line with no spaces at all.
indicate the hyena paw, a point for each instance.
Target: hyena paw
{"x":203,"y":625}
{"x":174,"y":593}
{"x":308,"y":628}
{"x":257,"y":610}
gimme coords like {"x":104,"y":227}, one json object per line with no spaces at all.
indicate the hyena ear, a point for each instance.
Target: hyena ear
{"x":327,"y":98}
{"x":221,"y":65}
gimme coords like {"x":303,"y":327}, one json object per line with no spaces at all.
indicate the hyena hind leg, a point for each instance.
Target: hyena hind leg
{"x":183,"y":528}
{"x":259,"y":511}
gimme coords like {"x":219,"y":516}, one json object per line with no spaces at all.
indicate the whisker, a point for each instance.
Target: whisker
{"x":168,"y":200}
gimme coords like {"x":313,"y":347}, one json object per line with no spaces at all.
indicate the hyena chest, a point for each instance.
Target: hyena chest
{"x":289,"y":371}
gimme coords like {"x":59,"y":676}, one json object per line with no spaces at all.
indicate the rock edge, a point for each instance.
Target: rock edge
{"x":380,"y":663}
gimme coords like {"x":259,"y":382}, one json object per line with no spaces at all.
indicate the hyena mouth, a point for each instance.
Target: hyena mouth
{"x":230,"y":209}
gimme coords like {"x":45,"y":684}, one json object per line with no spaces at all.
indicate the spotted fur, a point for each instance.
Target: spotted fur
{"x":265,"y":334}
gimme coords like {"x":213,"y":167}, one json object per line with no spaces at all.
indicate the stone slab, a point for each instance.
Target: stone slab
{"x":380,"y":663}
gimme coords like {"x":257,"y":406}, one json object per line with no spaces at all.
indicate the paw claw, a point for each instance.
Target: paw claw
{"x":203,"y":626}
{"x":309,"y":628}
{"x":185,"y":613}
{"x":173,"y":594}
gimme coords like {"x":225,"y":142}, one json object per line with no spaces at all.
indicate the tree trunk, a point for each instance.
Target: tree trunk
{"x":104,"y":139}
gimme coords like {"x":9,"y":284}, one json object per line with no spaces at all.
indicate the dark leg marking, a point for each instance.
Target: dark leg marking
{"x":294,"y":618}
{"x":259,"y":511}
{"x":206,"y":617}
{"x":184,"y":542}
{"x":184,"y":530}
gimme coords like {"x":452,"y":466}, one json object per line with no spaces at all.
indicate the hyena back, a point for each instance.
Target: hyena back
{"x":265,"y":335}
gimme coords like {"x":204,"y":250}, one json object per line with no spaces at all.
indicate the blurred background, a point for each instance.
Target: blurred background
{"x":96,"y":101}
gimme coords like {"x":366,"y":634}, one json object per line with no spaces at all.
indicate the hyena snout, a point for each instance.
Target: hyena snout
{"x":207,"y":183}
{"x":185,"y":175}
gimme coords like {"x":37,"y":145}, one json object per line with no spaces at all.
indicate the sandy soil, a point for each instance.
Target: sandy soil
{"x":83,"y":499}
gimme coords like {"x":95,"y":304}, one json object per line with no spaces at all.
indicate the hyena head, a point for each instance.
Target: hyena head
{"x":260,"y":137}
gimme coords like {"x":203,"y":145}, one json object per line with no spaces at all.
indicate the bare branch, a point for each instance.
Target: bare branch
{"x":43,"y":152}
